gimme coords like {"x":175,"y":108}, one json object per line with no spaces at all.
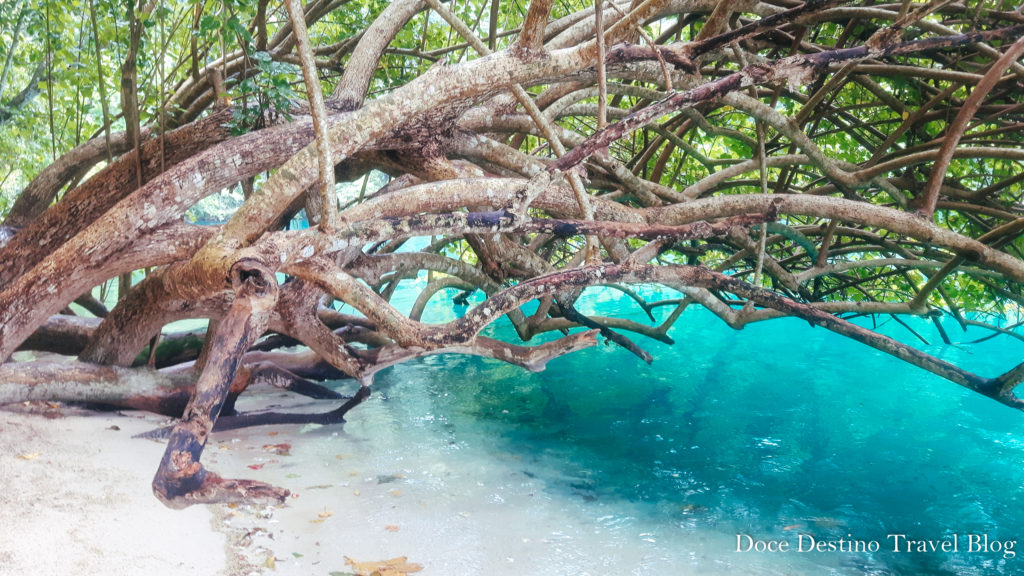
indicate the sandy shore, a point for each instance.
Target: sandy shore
{"x":76,"y":500}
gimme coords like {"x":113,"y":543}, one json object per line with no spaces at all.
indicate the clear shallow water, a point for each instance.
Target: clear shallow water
{"x":605,"y":465}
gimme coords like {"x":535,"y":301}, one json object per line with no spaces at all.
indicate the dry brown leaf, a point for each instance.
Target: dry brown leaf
{"x":394,"y":567}
{"x":28,"y":456}
{"x":283,"y":449}
{"x":392,"y":528}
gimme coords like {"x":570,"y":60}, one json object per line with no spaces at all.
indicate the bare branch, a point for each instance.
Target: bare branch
{"x":327,"y":213}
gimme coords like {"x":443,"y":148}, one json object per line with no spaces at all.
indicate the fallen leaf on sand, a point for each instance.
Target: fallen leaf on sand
{"x":29,"y":456}
{"x":392,"y":528}
{"x":395,"y":567}
{"x":322,"y":516}
{"x":283,"y":449}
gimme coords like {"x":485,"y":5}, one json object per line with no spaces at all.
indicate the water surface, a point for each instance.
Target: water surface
{"x":604,"y":465}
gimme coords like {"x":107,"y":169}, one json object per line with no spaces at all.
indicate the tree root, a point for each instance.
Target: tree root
{"x":181,"y":480}
{"x":509,"y":221}
{"x":212,"y":489}
{"x":160,"y":392}
{"x":336,"y":416}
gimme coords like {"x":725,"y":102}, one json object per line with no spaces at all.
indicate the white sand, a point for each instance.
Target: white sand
{"x":75,"y":499}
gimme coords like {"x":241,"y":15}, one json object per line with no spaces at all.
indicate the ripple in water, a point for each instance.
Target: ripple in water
{"x":604,"y":465}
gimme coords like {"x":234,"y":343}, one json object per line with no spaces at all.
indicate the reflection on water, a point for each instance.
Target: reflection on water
{"x":604,"y":465}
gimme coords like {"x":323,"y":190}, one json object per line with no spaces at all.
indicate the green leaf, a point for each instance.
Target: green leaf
{"x":209,"y":24}
{"x":238,"y":28}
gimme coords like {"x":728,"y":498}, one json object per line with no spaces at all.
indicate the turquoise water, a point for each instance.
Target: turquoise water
{"x":780,"y":431}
